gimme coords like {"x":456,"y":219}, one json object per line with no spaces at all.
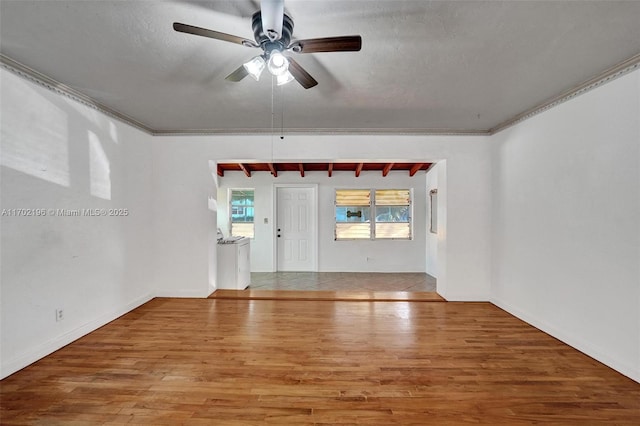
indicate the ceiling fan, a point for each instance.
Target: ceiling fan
{"x":272,"y":30}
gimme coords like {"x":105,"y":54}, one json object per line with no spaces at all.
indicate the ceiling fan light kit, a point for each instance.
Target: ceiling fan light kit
{"x":277,"y":64}
{"x":255,"y":67}
{"x":274,"y":41}
{"x":285,"y":78}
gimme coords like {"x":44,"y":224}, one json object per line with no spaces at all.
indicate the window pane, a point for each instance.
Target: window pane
{"x":353,"y":197}
{"x":242,"y":230}
{"x":353,"y":231}
{"x":242,"y":197}
{"x":392,"y":214}
{"x":393,"y":230}
{"x":393,"y":197}
{"x":241,"y":214}
{"x":353,"y":214}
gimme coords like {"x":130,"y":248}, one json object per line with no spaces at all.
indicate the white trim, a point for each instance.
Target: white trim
{"x":464,"y":297}
{"x":606,"y":76}
{"x":68,"y":92}
{"x":186,"y":294}
{"x":327,"y":131}
{"x":631,"y":371}
{"x":29,"y":357}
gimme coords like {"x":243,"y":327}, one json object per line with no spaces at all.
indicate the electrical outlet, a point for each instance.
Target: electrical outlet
{"x":59,"y":315}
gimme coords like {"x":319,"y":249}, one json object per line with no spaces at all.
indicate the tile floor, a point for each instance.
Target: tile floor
{"x":342,"y":281}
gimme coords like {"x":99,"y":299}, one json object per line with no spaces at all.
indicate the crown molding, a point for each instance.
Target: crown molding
{"x":324,"y":131}
{"x":55,"y":86}
{"x":49,"y":83}
{"x":606,"y":76}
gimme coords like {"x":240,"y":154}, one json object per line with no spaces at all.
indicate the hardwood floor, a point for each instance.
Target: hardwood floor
{"x":256,"y":362}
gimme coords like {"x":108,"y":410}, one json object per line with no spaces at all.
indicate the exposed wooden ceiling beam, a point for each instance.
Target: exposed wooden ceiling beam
{"x":415,"y":169}
{"x":273,"y":169}
{"x":359,"y":169}
{"x":244,"y":169}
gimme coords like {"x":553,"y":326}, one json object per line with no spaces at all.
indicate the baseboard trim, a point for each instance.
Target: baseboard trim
{"x":628,"y":370}
{"x":47,"y":348}
{"x":187,"y":294}
{"x":464,"y":297}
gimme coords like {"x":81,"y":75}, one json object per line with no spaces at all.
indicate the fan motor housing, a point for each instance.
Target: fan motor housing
{"x":263,"y":40}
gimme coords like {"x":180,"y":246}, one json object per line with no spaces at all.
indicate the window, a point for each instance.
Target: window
{"x":390,"y":213}
{"x":241,"y":213}
{"x":393,"y":213}
{"x":353,"y":214}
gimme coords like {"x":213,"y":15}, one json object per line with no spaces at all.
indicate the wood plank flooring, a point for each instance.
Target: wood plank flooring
{"x":257,"y":362}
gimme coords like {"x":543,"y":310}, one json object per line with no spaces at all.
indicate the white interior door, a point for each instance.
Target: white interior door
{"x":296,"y":228}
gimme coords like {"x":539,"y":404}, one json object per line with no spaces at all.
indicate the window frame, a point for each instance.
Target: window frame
{"x":242,"y":207}
{"x":373,"y":214}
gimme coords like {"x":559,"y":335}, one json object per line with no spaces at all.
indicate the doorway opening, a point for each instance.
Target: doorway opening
{"x":285,"y":211}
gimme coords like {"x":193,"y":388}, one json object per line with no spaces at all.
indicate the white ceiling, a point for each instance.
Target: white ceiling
{"x":424,"y":65}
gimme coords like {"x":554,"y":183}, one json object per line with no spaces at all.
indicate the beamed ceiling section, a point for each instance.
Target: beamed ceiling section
{"x":249,"y":169}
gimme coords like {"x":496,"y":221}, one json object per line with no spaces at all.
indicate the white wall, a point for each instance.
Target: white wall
{"x":566,"y":237}
{"x":431,"y":266}
{"x":183,"y":184}
{"x":341,"y":256}
{"x":59,"y":154}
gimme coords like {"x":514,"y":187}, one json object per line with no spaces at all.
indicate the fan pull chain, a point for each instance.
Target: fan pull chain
{"x":272,"y":114}
{"x":272,"y":111}
{"x":282,"y":112}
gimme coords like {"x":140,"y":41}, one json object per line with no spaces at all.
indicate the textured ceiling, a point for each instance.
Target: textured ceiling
{"x":424,"y":65}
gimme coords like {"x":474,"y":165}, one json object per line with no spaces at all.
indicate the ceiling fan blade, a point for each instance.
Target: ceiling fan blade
{"x":272,"y":12}
{"x":203,"y":32}
{"x":301,"y":76}
{"x":238,"y":74}
{"x":328,"y":44}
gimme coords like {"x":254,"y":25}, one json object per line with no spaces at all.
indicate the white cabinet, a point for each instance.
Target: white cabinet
{"x":234,"y":267}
